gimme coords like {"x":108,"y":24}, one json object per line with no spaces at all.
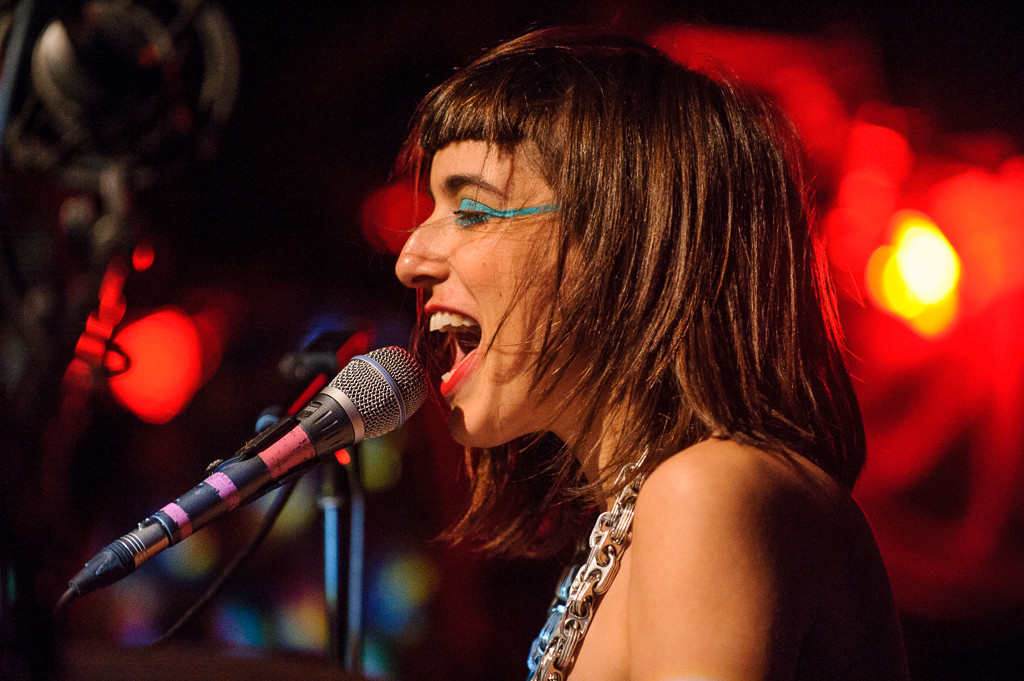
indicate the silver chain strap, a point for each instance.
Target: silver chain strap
{"x":581,"y":587}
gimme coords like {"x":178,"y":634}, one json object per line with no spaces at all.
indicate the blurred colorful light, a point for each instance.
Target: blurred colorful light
{"x":381,"y":460}
{"x":390,"y":213}
{"x":143,"y":256}
{"x":164,"y":370}
{"x":915,"y":277}
{"x":402,"y":588}
{"x":880,"y":149}
{"x":378,"y":658}
{"x":301,"y":623}
{"x":298,"y":515}
{"x":926,"y":261}
{"x":239,"y":623}
{"x":193,"y":559}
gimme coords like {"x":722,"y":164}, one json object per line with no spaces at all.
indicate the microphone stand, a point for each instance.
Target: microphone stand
{"x":344,"y":635}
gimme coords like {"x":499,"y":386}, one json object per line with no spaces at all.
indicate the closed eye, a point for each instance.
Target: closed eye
{"x":472,"y":212}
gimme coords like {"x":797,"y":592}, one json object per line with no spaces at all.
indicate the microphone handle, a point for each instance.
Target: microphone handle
{"x":235,"y":482}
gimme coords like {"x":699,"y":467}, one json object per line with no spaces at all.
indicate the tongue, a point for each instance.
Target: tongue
{"x":461,"y":363}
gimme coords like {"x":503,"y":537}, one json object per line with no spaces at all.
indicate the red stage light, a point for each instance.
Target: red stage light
{"x":926,"y":261}
{"x":982,"y":212}
{"x":143,"y":256}
{"x":164,"y":352}
{"x":916,"y":276}
{"x":879,"y":149}
{"x":390,"y":213}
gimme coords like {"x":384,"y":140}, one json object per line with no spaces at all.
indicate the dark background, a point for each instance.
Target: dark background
{"x":269,"y":226}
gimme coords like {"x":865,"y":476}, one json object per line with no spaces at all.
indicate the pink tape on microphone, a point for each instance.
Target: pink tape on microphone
{"x":180,"y":517}
{"x":290,"y":451}
{"x":225,"y":488}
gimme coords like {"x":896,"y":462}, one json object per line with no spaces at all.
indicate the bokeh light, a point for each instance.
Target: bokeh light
{"x":164,"y":352}
{"x":401,"y":588}
{"x":299,"y":514}
{"x":915,"y":277}
{"x":378,"y":660}
{"x":238,"y":623}
{"x":390,"y":213}
{"x":192,"y":560}
{"x":880,"y":149}
{"x":301,"y":621}
{"x":381,"y":461}
{"x":926,"y":261}
{"x":143,"y":256}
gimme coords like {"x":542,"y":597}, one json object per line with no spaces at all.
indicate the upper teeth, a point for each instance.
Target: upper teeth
{"x":446,"y":321}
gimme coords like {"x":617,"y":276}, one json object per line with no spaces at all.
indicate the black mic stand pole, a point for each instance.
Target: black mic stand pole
{"x":356,"y":561}
{"x":344,"y":637}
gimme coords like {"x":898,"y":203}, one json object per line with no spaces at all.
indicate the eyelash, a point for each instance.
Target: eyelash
{"x":468,"y":218}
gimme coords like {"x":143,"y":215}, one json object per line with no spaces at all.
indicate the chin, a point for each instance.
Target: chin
{"x":473,"y":437}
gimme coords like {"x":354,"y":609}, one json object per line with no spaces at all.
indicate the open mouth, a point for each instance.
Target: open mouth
{"x":463,"y":333}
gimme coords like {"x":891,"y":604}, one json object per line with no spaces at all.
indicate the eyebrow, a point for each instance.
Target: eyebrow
{"x":454,"y":184}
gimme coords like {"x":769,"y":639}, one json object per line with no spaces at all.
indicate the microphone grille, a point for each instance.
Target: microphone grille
{"x":383,"y":401}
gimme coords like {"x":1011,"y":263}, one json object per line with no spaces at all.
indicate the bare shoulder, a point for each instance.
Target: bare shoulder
{"x":742,"y":560}
{"x":722,"y":477}
{"x":778,"y":516}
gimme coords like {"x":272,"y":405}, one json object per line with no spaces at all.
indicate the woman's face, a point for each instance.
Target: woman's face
{"x":492,"y":229}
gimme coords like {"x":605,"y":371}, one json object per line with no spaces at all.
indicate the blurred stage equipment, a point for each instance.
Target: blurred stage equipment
{"x":99,"y":98}
{"x":121,"y":83}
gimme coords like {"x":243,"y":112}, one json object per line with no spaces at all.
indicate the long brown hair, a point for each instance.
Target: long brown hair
{"x":689,"y":284}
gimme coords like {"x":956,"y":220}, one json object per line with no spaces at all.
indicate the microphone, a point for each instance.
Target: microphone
{"x":373,"y":395}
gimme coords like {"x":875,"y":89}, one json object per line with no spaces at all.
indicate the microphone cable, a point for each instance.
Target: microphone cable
{"x":242,"y":555}
{"x":228,"y":571}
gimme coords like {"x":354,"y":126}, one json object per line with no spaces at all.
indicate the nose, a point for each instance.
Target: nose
{"x":421,"y":263}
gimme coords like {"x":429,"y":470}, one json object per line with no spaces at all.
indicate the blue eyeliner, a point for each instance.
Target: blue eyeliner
{"x":479,"y":212}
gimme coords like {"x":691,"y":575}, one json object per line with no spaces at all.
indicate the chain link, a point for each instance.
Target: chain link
{"x":581,"y":587}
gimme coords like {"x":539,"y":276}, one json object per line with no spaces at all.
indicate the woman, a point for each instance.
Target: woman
{"x":631,"y":314}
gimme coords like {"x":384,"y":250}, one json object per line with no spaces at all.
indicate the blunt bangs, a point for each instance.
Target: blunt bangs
{"x":524,"y":90}
{"x":463,"y":112}
{"x":497,"y":103}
